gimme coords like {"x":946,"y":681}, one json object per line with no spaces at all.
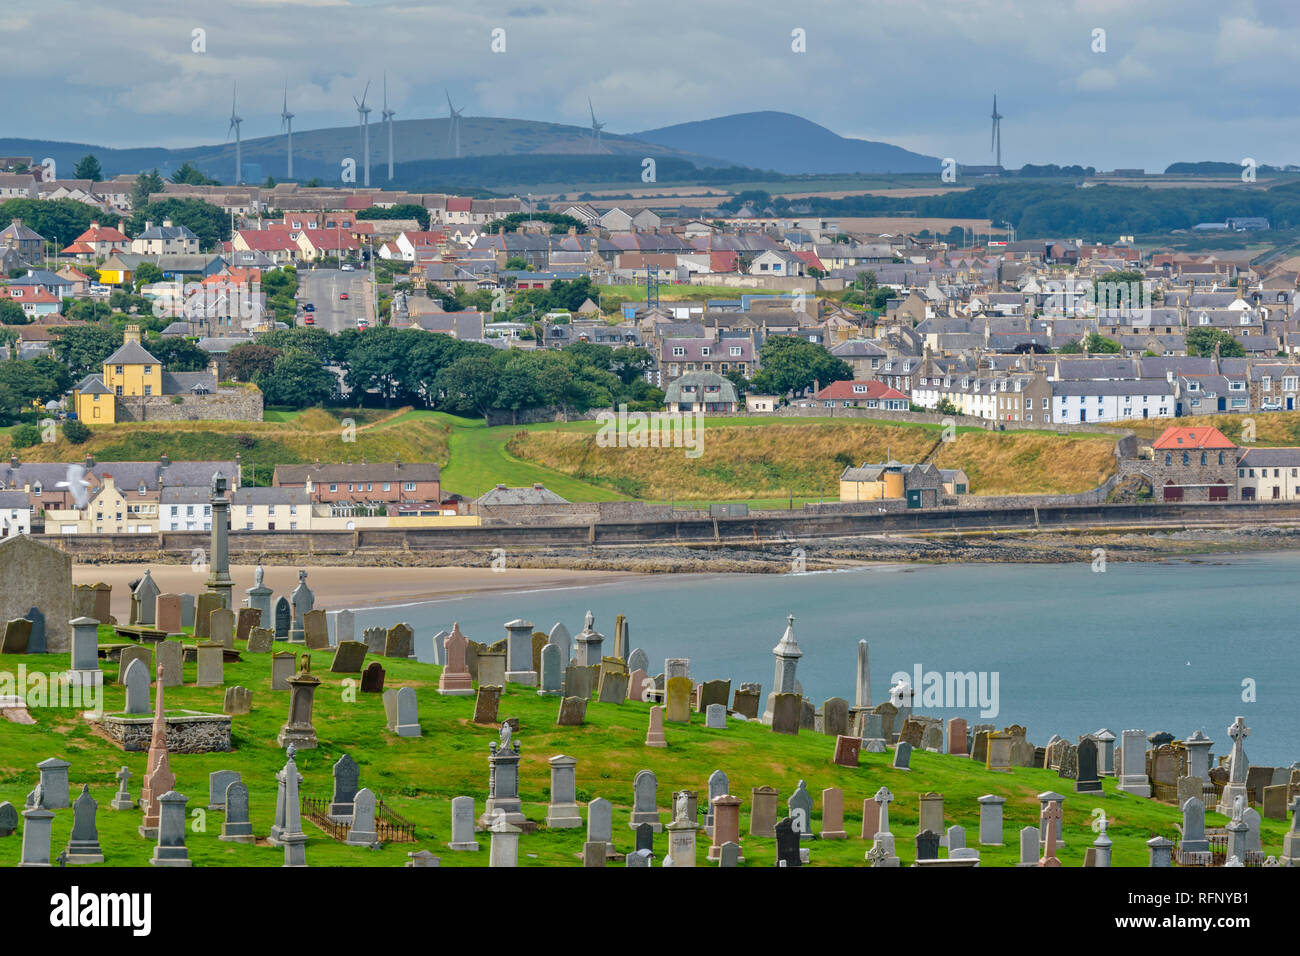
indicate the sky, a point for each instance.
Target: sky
{"x":1167,"y":80}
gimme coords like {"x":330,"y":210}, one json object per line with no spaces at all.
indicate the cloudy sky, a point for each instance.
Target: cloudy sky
{"x":1176,"y":80}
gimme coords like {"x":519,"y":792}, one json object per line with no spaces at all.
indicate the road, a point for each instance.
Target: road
{"x":322,"y":288}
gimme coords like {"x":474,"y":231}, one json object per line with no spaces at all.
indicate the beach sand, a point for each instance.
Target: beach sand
{"x":338,"y":587}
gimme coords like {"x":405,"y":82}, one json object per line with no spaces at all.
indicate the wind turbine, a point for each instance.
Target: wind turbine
{"x":363,"y":118}
{"x":996,"y":143}
{"x":286,"y":124}
{"x":453,"y":128}
{"x":235,"y":120}
{"x":388,"y":119}
{"x":595,"y":128}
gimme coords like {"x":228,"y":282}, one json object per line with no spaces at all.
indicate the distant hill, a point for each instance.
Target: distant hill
{"x":320,"y":152}
{"x":788,"y":144}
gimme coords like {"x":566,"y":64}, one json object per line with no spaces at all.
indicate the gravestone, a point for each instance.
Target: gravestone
{"x":637,"y":659}
{"x":486,"y":704}
{"x":390,"y":708}
{"x":132,"y":652}
{"x":787,"y":713}
{"x":538,"y":642}
{"x":1273,"y":806}
{"x":283,"y":618}
{"x":492,"y":668}
{"x":236,"y":827}
{"x":301,"y":600}
{"x":847,"y":751}
{"x":645,"y":790}
{"x":872,"y":726}
{"x":729,"y":854}
{"x":678,"y":700}
{"x":137,"y":687}
{"x":205,"y":604}
{"x":247,"y":619}
{"x":145,"y":596}
{"x":36,"y":639}
{"x":746,"y":699}
{"x":85,"y":652}
{"x":122,"y":799}
{"x":957,"y":737}
{"x":363,"y":832}
{"x":344,"y":627}
{"x":835,"y":717}
{"x":902,"y":755}
{"x":261,"y":640}
{"x":397,"y":642}
{"x":559,"y":636}
{"x":991,"y":819}
{"x":613,"y":681}
{"x":375,"y":639}
{"x":8,"y":819}
{"x":587,"y":645}
{"x":1193,"y":839}
{"x":1087,"y":778}
{"x":980,"y":746}
{"x":787,"y":843}
{"x":188,"y":602}
{"x":519,"y":653}
{"x":83,"y":846}
{"x":562,"y":811}
{"x":927,"y":845}
{"x":283,"y":665}
{"x":462,"y":825}
{"x":455,"y":680}
{"x":833,"y":814}
{"x":715,"y":717}
{"x":349,"y":657}
{"x":408,"y":720}
{"x":573,"y":712}
{"x":645,"y":838}
{"x":800,"y":805}
{"x":1133,"y":766}
{"x":218,"y":781}
{"x":550,"y":670}
{"x":762,"y":812}
{"x":16,"y":637}
{"x":911,"y":733}
{"x":315,"y":630}
{"x":713,"y":692}
{"x":718,"y":786}
{"x":170,"y":850}
{"x":600,"y":822}
{"x":167,"y":613}
{"x":239,"y":700}
{"x":211,"y":665}
{"x":1029,"y":837}
{"x":347,"y":776}
{"x":655,"y":732}
{"x":932,"y":739}
{"x":580,"y":681}
{"x":36,"y":837}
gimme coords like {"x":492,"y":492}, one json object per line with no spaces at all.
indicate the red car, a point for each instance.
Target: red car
{"x":343,"y":295}
{"x":309,"y":319}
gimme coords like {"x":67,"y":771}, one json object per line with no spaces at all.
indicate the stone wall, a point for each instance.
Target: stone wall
{"x":226,"y":404}
{"x":36,"y":574}
{"x":190,"y":733}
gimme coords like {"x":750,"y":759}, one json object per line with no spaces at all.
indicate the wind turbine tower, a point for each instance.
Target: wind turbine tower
{"x":453,"y":127}
{"x":363,"y":119}
{"x":235,"y":121}
{"x":996,"y":144}
{"x":286,"y":124}
{"x":388,"y":121}
{"x":595,"y":128}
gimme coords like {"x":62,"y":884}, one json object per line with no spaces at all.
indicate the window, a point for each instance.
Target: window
{"x":1221,"y":461}
{"x":1289,"y":383}
{"x":735,"y":350}
{"x":119,"y":370}
{"x":386,"y":488}
{"x":270,"y":510}
{"x":148,"y":389}
{"x":334,"y":487}
{"x":678,"y":351}
{"x":117,"y":390}
{"x":1187,"y":459}
{"x":1204,"y":458}
{"x":148,"y":370}
{"x":704,"y":350}
{"x":1266,"y":382}
{"x":408,"y":486}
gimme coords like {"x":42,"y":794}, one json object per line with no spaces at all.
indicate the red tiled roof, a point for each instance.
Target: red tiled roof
{"x":458,"y":203}
{"x":1194,"y":437}
{"x":810,"y":259}
{"x":844,"y":390}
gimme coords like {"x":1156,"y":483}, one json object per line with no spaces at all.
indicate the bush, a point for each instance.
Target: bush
{"x":76,"y":431}
{"x":245,"y":441}
{"x":25,"y":436}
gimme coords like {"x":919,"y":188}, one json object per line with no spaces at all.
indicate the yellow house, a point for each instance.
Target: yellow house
{"x":107,"y":513}
{"x":130,"y":371}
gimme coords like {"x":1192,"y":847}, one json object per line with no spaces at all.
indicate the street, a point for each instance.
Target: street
{"x":322,"y":287}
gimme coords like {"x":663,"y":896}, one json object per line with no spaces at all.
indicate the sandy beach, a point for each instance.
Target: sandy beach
{"x":340,"y":587}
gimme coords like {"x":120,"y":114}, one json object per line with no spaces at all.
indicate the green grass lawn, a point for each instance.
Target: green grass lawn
{"x":419,"y":777}
{"x":281,"y":414}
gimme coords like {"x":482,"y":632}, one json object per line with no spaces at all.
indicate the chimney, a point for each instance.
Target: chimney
{"x":397,"y":461}
{"x":148,"y":224}
{"x":89,"y":461}
{"x":13,"y":459}
{"x":131,"y":334}
{"x":164,"y":460}
{"x":538,"y":486}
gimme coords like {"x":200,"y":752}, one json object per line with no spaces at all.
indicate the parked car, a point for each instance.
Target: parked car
{"x":343,"y":295}
{"x":308,"y":307}
{"x":309,"y":319}
{"x":349,"y":267}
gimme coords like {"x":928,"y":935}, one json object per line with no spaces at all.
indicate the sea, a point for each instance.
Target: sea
{"x":1177,"y":646}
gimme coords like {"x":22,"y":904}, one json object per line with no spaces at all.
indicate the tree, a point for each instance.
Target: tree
{"x":297,"y":379}
{"x":178,"y":354}
{"x":469,"y":385}
{"x":246,"y":361}
{"x":946,"y":407}
{"x":313,"y":183}
{"x":866,"y":280}
{"x":631,"y":362}
{"x":400,"y":211}
{"x":83,"y":348}
{"x":190,"y":175}
{"x":737,"y":378}
{"x":791,"y":364}
{"x":88,"y":168}
{"x":270,"y":183}
{"x":1097,"y":343}
{"x":56,"y":219}
{"x":24,"y":381}
{"x":146,"y":273}
{"x":517,"y":263}
{"x":11,"y":313}
{"x":25,"y":436}
{"x":208,"y":222}
{"x":76,"y":431}
{"x":146,"y":184}
{"x":1202,"y":341}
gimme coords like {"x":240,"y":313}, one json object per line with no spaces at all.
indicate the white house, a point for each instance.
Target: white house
{"x":15,"y":514}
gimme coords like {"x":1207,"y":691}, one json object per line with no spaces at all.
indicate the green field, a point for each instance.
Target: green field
{"x":418,"y":778}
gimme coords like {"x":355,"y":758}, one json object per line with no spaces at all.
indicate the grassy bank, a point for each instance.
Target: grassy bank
{"x":419,"y":777}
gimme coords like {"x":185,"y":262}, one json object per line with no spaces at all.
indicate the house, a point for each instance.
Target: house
{"x":920,"y":485}
{"x":350,"y":487}
{"x":683,"y":356}
{"x":36,"y":301}
{"x":24,"y":241}
{"x":270,"y":509}
{"x":1263,"y":474}
{"x":761,"y":403}
{"x":701,"y":392}
{"x":98,"y":242}
{"x":1193,"y":464}
{"x":859,"y":394}
{"x":775,"y":262}
{"x":15,"y":514}
{"x":629,"y":219}
{"x":166,"y":239}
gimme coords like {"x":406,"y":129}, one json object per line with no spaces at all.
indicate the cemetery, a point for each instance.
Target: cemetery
{"x":546,"y":748}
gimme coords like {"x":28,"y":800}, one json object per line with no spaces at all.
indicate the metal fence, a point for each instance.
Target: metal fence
{"x":390,"y":826}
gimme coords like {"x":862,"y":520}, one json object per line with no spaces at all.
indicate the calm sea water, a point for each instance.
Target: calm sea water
{"x":1152,"y":646}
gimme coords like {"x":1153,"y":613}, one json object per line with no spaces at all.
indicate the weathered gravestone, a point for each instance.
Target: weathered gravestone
{"x":349,"y":658}
{"x":132,"y":652}
{"x":397,"y":642}
{"x":835,"y":717}
{"x":261,"y":640}
{"x":786,"y":713}
{"x":283,"y":665}
{"x":83,"y":846}
{"x":486,"y":704}
{"x":236,"y":827}
{"x":137,"y":687}
{"x":239,"y":700}
{"x":248,"y":618}
{"x":167,"y":613}
{"x":218,"y":781}
{"x":17,"y":635}
{"x":372,"y":679}
{"x":204,"y":605}
{"x":573,"y":712}
{"x":315,"y":630}
{"x":211,"y":665}
{"x":283,"y":618}
{"x":746,"y":700}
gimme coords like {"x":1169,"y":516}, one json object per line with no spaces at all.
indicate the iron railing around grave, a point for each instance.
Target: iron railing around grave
{"x":390,"y":825}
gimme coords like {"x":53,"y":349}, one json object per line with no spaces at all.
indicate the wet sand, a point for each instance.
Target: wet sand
{"x":340,"y":587}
